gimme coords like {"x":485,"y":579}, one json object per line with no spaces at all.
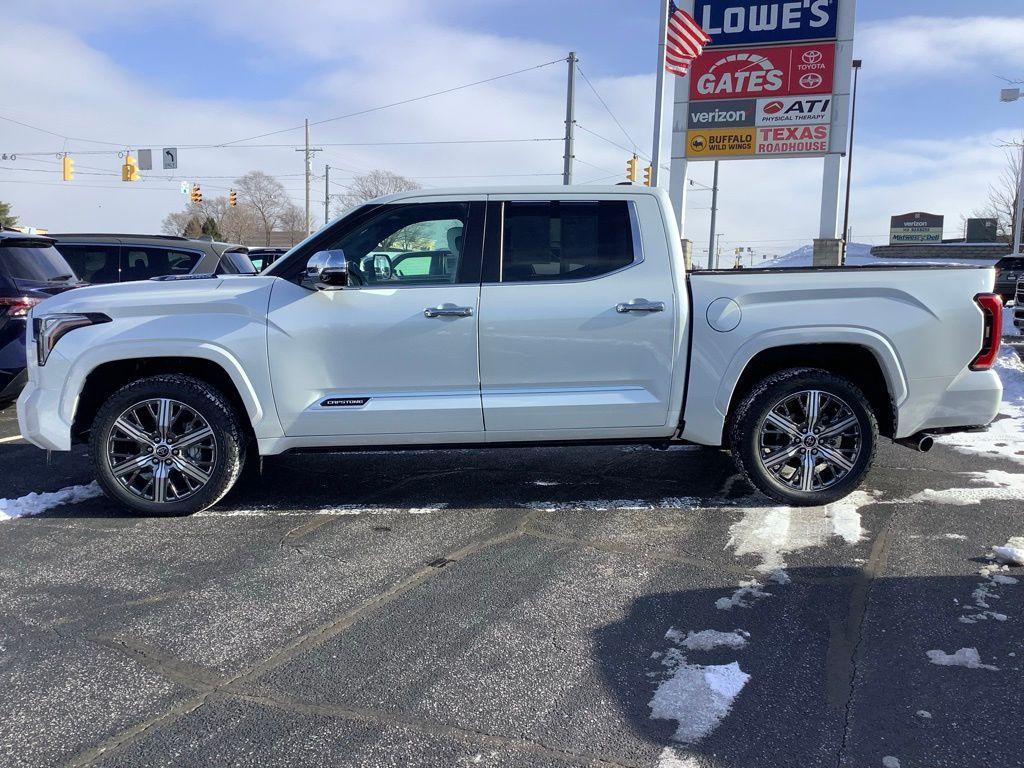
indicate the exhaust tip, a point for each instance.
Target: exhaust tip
{"x":925,"y":443}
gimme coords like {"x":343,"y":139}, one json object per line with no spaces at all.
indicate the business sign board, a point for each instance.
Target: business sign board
{"x":736,"y":113}
{"x":721,"y":142}
{"x":794,"y":111}
{"x":982,"y":231}
{"x":789,"y":70}
{"x":918,"y":227}
{"x":756,"y":22}
{"x":793,"y":140}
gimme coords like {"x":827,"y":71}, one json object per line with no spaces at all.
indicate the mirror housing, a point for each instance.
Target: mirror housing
{"x":328,"y":269}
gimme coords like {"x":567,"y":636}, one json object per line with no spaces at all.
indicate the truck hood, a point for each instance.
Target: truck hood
{"x":165,"y":297}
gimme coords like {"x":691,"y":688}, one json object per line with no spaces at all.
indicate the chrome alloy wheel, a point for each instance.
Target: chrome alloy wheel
{"x":809,"y":441}
{"x":162,"y":450}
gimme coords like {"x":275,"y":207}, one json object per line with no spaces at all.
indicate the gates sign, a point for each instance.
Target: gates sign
{"x":791,"y":70}
{"x":756,"y":22}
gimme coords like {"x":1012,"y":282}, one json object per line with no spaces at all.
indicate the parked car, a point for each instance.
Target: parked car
{"x":262,"y":258}
{"x":1018,"y":306}
{"x":99,"y":258}
{"x":31,"y":270}
{"x":497,"y":317}
{"x":1009,"y":270}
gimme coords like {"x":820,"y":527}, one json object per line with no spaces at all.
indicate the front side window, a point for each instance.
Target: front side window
{"x":565,"y":240}
{"x":96,"y":264}
{"x":418,"y":244}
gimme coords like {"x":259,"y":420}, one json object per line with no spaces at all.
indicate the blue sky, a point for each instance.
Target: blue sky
{"x":193,"y":72}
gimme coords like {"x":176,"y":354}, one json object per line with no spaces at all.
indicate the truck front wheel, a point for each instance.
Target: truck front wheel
{"x":804,"y":436}
{"x":167,"y":445}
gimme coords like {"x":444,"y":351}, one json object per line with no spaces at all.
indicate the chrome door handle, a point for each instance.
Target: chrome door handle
{"x":640,"y":305}
{"x":448,"y":310}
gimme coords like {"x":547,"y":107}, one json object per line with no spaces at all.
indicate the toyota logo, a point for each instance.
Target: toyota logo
{"x":811,"y":80}
{"x":813,"y":57}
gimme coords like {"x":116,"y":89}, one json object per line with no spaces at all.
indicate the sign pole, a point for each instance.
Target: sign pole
{"x":659,"y":96}
{"x":679,"y":166}
{"x":1018,"y":224}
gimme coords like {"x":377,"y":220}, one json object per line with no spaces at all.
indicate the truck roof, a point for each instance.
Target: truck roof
{"x":584,"y":190}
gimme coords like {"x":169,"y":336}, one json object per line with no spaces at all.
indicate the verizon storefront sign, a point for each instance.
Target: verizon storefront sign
{"x":792,"y":70}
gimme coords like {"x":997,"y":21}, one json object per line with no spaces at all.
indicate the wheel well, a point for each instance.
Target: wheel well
{"x":858,"y":364}
{"x":106,"y":379}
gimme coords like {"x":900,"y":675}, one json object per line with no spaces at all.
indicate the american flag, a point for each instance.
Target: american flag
{"x":684,"y":40}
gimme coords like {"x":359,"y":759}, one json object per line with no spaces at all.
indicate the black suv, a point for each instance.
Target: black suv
{"x":98,"y":258}
{"x":31,"y":270}
{"x":1009,"y":270}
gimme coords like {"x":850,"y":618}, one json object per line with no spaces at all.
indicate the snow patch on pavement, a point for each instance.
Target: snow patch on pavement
{"x":339,"y":511}
{"x":708,"y":639}
{"x":1011,"y":553}
{"x":965,"y":657}
{"x":670,"y":758}
{"x":698,"y":698}
{"x":37,"y":503}
{"x":615,"y":505}
{"x":890,"y":762}
{"x":748,"y":593}
{"x":991,"y":485}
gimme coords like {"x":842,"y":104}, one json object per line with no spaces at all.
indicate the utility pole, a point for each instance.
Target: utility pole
{"x":327,"y":194}
{"x":714,"y":217}
{"x":659,"y":96}
{"x":570,"y":119}
{"x":1011,"y":95}
{"x":308,"y":150}
{"x":857,"y":63}
{"x":718,"y":250}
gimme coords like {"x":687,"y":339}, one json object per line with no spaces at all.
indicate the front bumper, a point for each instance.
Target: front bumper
{"x":39,"y":418}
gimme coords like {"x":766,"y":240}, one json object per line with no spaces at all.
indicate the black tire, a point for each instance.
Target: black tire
{"x":229,"y":439}
{"x":755,"y":407}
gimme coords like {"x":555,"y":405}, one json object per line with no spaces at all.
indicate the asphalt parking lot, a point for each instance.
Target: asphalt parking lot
{"x":526,"y":607}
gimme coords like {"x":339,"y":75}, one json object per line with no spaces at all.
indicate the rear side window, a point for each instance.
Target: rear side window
{"x":93,"y":263}
{"x":565,"y":240}
{"x":144,"y":262}
{"x":40,"y":262}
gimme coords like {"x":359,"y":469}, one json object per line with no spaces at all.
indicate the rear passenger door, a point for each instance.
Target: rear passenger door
{"x":96,"y":263}
{"x":577,"y":319}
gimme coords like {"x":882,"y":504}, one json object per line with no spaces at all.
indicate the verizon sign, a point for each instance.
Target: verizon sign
{"x":790,"y":70}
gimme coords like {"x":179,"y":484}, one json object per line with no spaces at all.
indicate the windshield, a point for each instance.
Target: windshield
{"x":34,"y":261}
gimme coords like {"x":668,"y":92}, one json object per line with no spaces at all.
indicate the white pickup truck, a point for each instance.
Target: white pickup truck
{"x":496,"y":317}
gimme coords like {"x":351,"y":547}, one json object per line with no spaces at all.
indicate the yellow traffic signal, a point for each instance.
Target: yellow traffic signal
{"x":631,"y":167}
{"x":648,"y":176}
{"x":232,"y":198}
{"x":130,"y":169}
{"x":197,"y":194}
{"x":69,"y":169}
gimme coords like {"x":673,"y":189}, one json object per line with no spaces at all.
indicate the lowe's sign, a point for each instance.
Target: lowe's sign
{"x":748,"y":22}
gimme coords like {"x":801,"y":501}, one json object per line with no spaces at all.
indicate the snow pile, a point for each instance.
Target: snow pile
{"x":1012,"y":553}
{"x":1005,"y":437}
{"x":37,"y":503}
{"x":965,"y":657}
{"x":859,"y":255}
{"x":697,"y":698}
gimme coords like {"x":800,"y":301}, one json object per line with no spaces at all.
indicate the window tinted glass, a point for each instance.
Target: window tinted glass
{"x":142,"y":263}
{"x":93,"y":263}
{"x":565,"y":240}
{"x":1011,"y":264}
{"x":42,"y":263}
{"x":236,"y":263}
{"x":418,"y":244}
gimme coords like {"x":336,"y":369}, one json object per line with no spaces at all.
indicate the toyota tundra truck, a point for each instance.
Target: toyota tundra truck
{"x":502,"y":318}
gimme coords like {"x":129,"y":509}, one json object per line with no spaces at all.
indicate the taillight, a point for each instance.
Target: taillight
{"x":18,"y":306}
{"x":992,"y":309}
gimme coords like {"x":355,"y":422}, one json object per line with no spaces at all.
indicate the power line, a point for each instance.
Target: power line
{"x":613,"y":143}
{"x":608,"y":109}
{"x":58,"y":135}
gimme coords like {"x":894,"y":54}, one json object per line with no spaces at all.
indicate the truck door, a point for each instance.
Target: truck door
{"x":578,"y":318}
{"x":395,"y":353}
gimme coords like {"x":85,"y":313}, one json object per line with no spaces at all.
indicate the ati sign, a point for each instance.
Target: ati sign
{"x":793,"y":140}
{"x":761,"y":22}
{"x":916,"y":227}
{"x":720,"y":142}
{"x":794,"y":111}
{"x":794,"y":70}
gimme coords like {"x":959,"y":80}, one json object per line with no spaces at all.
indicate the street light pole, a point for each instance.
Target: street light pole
{"x":857,"y":63}
{"x":1009,"y":95}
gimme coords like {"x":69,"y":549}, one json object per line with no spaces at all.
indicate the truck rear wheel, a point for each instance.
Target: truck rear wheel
{"x":804,"y":436}
{"x":167,"y":445}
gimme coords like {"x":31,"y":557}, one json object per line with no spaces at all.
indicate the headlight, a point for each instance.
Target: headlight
{"x":49,"y":329}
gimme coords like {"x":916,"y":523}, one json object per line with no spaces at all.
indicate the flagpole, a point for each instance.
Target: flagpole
{"x":659,"y":97}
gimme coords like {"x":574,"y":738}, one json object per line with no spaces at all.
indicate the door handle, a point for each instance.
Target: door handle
{"x":640,"y":305}
{"x":448,"y":310}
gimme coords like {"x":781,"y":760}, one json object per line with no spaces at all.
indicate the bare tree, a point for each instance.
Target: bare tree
{"x":372,"y":185}
{"x":293,"y":222}
{"x":267,"y":198}
{"x":1002,"y":195}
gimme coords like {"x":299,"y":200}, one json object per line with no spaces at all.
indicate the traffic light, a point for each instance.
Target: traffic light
{"x":69,"y":169}
{"x":631,"y":166}
{"x":232,"y":198}
{"x":197,"y":194}
{"x":648,"y":176}
{"x":130,"y":169}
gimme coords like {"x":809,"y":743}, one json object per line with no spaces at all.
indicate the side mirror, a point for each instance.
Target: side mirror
{"x":328,"y":269}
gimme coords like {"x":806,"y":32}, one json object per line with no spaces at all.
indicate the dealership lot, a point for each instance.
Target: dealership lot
{"x":512,"y":607}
